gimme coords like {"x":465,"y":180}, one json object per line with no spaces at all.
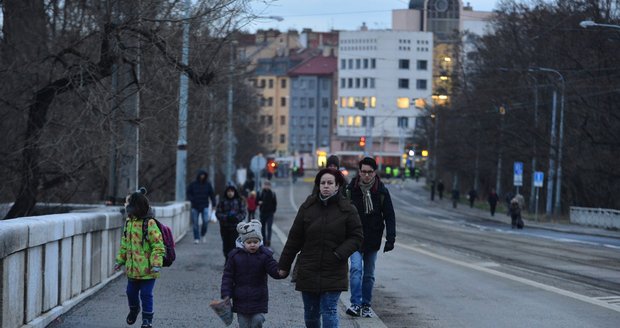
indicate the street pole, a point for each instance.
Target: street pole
{"x":551,"y":170}
{"x":229,"y":117}
{"x":532,"y":190}
{"x":181,"y":164}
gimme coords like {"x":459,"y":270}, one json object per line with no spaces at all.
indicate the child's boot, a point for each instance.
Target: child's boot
{"x":147,"y":320}
{"x":133,"y":314}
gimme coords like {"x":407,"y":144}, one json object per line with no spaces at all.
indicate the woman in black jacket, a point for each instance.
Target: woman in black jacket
{"x":230,"y":211}
{"x":327,"y":230}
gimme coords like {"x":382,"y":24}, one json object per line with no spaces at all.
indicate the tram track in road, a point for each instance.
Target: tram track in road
{"x":576,"y":266}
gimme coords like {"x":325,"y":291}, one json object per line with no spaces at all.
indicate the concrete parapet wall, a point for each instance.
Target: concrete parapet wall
{"x":50,"y":263}
{"x":595,"y":217}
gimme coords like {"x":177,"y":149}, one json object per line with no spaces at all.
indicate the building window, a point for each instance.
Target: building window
{"x":324,"y":84}
{"x":324,"y":102}
{"x":422,"y":65}
{"x":324,"y":121}
{"x":310,"y":121}
{"x":343,"y":64}
{"x":283,"y":83}
{"x":262,"y":119}
{"x":270,"y":101}
{"x":311,"y":84}
{"x":282,"y":138}
{"x":270,"y":83}
{"x":283,"y":101}
{"x":269,"y":120}
{"x":403,"y":63}
{"x":372,"y":82}
{"x":303,"y":102}
{"x":357,"y":82}
{"x":403,"y":83}
{"x":262,"y":84}
{"x":373,"y":63}
{"x":358,"y":63}
{"x":402,"y":103}
{"x":310,"y":102}
{"x":420,"y":84}
{"x":263,"y":101}
{"x":350,"y":63}
{"x":269,"y":139}
{"x":341,"y":121}
{"x":403,"y":122}
{"x":358,"y":121}
{"x":365,"y":63}
{"x":365,"y":83}
{"x":350,"y":84}
{"x":343,"y":83}
{"x":282,"y":120}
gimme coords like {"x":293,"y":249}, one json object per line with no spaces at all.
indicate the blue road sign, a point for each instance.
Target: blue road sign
{"x":518,"y":174}
{"x":538,"y":178}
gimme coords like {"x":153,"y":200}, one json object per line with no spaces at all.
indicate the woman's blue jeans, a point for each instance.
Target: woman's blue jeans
{"x":362,"y":277}
{"x":196,"y":222}
{"x":321,"y":305}
{"x":141,"y":290}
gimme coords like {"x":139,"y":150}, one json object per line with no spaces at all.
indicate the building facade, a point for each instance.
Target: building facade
{"x":381,"y":74}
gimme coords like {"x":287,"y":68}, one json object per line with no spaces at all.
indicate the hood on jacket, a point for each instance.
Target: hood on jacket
{"x":201,"y":172}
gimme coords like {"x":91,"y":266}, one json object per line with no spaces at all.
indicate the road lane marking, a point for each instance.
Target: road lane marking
{"x":563,"y":292}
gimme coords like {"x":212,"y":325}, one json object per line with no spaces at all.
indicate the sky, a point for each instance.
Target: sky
{"x":325,"y":15}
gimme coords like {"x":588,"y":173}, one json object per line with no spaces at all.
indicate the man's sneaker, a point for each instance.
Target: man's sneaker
{"x":196,"y":241}
{"x":204,"y":239}
{"x":367,"y":312}
{"x":354,"y":310}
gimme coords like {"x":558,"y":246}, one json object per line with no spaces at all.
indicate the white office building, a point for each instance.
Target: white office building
{"x":381,"y":74}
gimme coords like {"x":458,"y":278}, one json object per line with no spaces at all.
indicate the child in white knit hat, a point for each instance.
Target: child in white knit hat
{"x":246,"y":274}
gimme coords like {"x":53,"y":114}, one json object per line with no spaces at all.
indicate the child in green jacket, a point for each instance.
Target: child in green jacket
{"x":141,"y":255}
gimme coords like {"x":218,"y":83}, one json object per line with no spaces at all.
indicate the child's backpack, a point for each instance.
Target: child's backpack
{"x":166,"y":234}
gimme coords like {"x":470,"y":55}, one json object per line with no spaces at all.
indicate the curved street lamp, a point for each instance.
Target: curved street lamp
{"x":589,"y":23}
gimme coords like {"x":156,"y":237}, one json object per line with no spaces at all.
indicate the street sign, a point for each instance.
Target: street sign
{"x":518,"y":174}
{"x":538,"y":178}
{"x":257,"y":163}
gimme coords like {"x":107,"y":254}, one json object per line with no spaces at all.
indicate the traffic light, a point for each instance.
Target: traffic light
{"x":362,"y":141}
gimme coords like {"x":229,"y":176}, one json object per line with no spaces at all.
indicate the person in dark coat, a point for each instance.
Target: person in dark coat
{"x":230,"y":211}
{"x":374,"y":205}
{"x":493,"y":199}
{"x":433,"y":189}
{"x":199,"y":193}
{"x":268,"y":203}
{"x":245,"y":276}
{"x":515,"y":213}
{"x":472,"y":195}
{"x":327,"y":230}
{"x":440,"y":189}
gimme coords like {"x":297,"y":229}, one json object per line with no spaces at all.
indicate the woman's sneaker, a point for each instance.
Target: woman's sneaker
{"x":354,"y":310}
{"x":367,"y":312}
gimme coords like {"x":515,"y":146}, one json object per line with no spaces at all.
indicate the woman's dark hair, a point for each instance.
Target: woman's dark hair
{"x":336,"y":173}
{"x":236,"y":195}
{"x":137,"y":204}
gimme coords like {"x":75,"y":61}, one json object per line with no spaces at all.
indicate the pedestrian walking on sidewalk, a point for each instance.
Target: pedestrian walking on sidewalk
{"x":374,"y":205}
{"x":252,"y":202}
{"x":142,"y":253}
{"x":472,"y":195}
{"x":440,"y":189}
{"x":268,"y":205}
{"x":493,"y":199}
{"x":327,"y":230}
{"x":245,"y":276}
{"x":433,"y":190}
{"x":230,"y":211}
{"x":456,"y":195}
{"x":199,"y":193}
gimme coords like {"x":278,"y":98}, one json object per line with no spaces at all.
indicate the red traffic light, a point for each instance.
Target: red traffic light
{"x":362,"y":141}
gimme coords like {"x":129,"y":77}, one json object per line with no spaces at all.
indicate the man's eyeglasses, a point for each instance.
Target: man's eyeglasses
{"x":367,"y":172}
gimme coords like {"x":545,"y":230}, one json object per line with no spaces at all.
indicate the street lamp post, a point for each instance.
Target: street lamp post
{"x":181,"y":164}
{"x":589,"y":23}
{"x":552,"y":151}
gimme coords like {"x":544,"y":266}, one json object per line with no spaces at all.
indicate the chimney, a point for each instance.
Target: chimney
{"x":364,"y":27}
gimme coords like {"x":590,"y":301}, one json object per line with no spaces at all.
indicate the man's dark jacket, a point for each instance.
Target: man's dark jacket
{"x":382,"y":215}
{"x":200,"y":192}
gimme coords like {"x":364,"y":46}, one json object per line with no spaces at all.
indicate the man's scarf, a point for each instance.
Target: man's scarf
{"x":365,"y":187}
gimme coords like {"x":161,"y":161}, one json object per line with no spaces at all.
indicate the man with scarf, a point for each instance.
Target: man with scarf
{"x":374,"y":206}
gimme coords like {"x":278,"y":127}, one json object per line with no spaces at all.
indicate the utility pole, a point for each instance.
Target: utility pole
{"x":229,"y":117}
{"x":181,"y":164}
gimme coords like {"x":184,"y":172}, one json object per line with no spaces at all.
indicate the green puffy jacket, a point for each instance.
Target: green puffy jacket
{"x":139,"y":255}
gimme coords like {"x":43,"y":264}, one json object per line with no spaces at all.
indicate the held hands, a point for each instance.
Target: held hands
{"x":388,"y":246}
{"x":117,"y":267}
{"x":283,"y":273}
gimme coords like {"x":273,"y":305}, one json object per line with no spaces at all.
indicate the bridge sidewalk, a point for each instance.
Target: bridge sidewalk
{"x":183,"y":293}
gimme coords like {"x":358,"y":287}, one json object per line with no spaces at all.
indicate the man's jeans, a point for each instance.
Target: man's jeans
{"x":362,"y":277}
{"x":196,"y":222}
{"x":317,"y":305}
